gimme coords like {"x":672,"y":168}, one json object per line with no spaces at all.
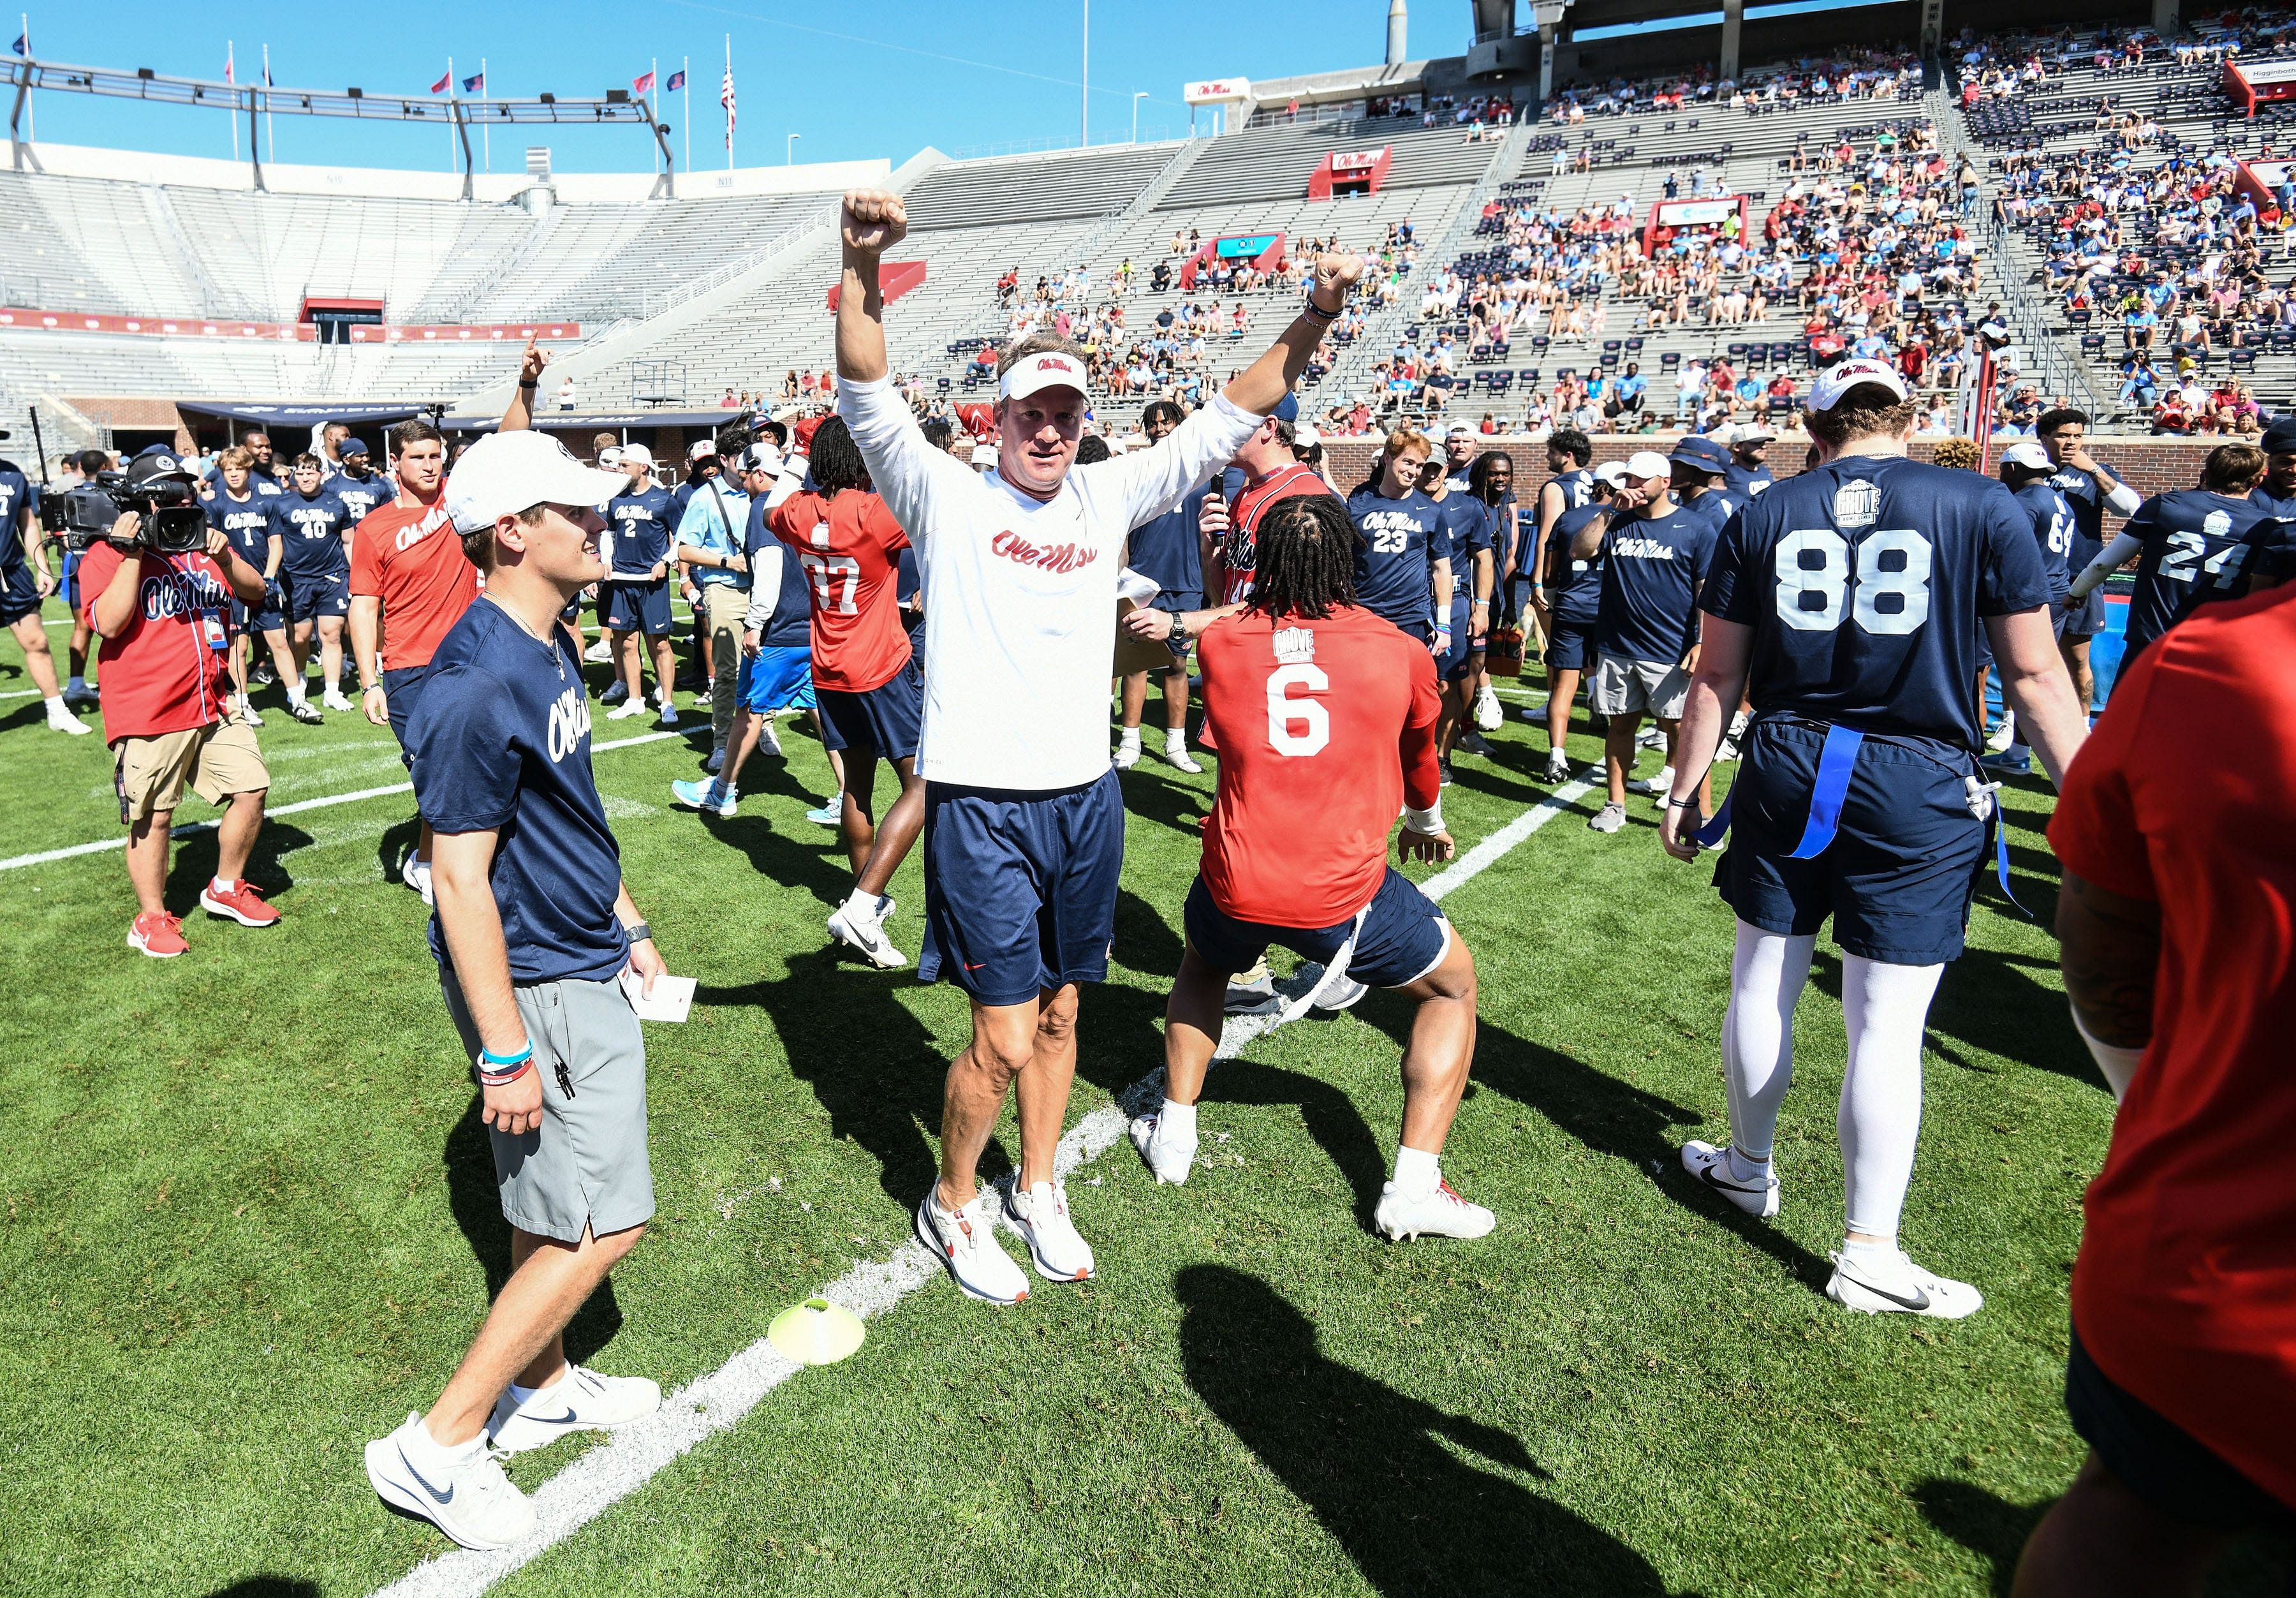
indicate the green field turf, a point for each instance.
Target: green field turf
{"x":249,"y":1223}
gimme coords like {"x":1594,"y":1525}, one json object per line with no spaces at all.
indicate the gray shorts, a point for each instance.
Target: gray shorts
{"x":586,"y":1166}
{"x":1619,"y":686}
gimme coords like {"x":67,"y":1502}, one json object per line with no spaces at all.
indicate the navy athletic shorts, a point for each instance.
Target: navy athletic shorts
{"x":1404,"y":936}
{"x":884,"y":718}
{"x":1902,"y":870}
{"x":1177,"y":601}
{"x":306,"y":598}
{"x":266,"y":617}
{"x":2083,"y":618}
{"x":19,"y":596}
{"x":403,"y":686}
{"x":1570,"y":644}
{"x":1021,"y":886}
{"x":1451,"y":665}
{"x":2158,"y":1461}
{"x":638,"y":607}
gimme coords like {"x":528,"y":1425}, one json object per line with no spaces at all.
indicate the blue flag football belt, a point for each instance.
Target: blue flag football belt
{"x":1837,"y":761}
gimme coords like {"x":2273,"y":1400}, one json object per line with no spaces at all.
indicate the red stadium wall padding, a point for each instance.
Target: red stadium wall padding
{"x":290,"y":333}
{"x":895,"y":277}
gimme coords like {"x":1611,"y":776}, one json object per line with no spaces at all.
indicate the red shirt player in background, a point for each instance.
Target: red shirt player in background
{"x":1272,"y":474}
{"x":1326,"y":720}
{"x":2175,"y":828}
{"x":867,"y":681}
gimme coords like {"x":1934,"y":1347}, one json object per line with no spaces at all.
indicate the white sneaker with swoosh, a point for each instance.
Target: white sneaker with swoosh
{"x":1041,"y":1215}
{"x":581,"y":1400}
{"x":460,"y":1491}
{"x":1757,"y":1195}
{"x":1911,"y":1292}
{"x":962,"y":1240}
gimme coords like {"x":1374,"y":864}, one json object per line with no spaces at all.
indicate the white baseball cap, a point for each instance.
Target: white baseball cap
{"x":1304,"y":435}
{"x":984,"y":455}
{"x":1045,"y":369}
{"x":1747,"y":432}
{"x":611,"y":455}
{"x":1841,"y":377}
{"x":1613,"y":471}
{"x":761,"y":457}
{"x":638,"y":453}
{"x":2029,"y":454}
{"x":703,"y":449}
{"x":1644,"y":465}
{"x":507,"y":472}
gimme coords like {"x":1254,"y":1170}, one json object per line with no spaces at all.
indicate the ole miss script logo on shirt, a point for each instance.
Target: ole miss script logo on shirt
{"x":1048,"y":557}
{"x":410,"y":536}
{"x":181,"y":593}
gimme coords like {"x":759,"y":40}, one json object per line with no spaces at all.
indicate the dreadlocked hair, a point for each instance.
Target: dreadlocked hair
{"x":1307,"y":558}
{"x":835,"y":458}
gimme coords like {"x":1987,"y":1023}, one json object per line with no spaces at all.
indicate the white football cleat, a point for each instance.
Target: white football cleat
{"x":1168,"y":1159}
{"x":1176,"y":752}
{"x":580,"y":1400}
{"x":867,"y":938}
{"x":1911,"y":1291}
{"x":627,"y":709}
{"x":1041,"y":1216}
{"x":1126,"y":755}
{"x":61,"y":720}
{"x":1757,"y":1195}
{"x":1438,"y":1213}
{"x":333,"y":700}
{"x":962,"y":1240}
{"x":461,"y":1492}
{"x":1488,"y":716}
{"x":1657,"y":787}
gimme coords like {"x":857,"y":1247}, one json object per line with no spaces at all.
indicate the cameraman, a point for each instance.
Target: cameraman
{"x":25,"y":584}
{"x":167,"y":710}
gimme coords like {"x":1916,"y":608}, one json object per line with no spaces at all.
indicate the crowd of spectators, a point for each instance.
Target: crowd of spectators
{"x":1851,"y":75}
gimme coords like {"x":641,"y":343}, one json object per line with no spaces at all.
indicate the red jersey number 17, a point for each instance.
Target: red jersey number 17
{"x":1311,"y":720}
{"x":831,"y":574}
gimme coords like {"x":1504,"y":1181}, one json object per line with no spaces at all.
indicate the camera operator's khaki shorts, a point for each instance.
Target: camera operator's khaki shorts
{"x":214,"y":761}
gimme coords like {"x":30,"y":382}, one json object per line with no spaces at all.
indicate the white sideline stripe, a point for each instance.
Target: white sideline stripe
{"x":717,"y":1402}
{"x":113,"y":844}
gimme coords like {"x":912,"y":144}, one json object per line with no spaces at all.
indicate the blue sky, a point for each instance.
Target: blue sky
{"x":853,"y":81}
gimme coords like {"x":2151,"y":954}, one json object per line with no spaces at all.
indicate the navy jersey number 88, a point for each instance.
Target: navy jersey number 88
{"x":1864,"y":581}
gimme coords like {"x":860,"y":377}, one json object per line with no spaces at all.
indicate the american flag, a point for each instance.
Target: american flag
{"x":725,"y":99}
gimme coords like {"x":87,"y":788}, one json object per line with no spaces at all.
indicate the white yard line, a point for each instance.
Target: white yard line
{"x":115,"y":844}
{"x":714,"y":1402}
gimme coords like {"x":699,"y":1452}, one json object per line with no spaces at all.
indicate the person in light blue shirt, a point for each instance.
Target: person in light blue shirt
{"x":709,"y":541}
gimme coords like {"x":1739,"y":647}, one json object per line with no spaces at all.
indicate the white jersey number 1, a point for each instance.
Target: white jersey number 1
{"x":1284,"y":713}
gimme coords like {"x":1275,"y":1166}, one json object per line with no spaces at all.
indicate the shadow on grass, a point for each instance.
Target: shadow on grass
{"x":1988,"y":1526}
{"x":192,"y":863}
{"x":1164,"y":798}
{"x":1382,"y":1470}
{"x":1330,"y":1116}
{"x":475,"y":1196}
{"x":268,"y":1587}
{"x":1992,"y":1002}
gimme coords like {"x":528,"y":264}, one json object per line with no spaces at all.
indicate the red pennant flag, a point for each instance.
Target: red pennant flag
{"x":439,"y":87}
{"x":642,"y":84}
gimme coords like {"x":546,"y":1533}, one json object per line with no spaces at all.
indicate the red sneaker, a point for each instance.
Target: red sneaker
{"x":160,"y":935}
{"x":243,"y":902}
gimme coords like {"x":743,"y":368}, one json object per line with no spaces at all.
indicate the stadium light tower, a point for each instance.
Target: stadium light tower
{"x":789,"y":149}
{"x":1138,"y":96}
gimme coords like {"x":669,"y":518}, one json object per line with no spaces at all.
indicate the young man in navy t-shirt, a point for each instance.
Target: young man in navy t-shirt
{"x":538,"y":945}
{"x":1169,"y":549}
{"x":1654,"y":552}
{"x":643,"y":522}
{"x":2091,"y":488}
{"x":315,"y":574}
{"x":1399,"y":574}
{"x":1846,"y":603}
{"x":239,"y":503}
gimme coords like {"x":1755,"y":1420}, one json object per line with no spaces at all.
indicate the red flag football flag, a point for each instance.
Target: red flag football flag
{"x":642,"y":84}
{"x":439,"y":87}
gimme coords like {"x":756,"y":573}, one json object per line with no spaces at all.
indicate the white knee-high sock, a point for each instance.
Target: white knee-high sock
{"x":1767,"y":973}
{"x":1883,"y":1008}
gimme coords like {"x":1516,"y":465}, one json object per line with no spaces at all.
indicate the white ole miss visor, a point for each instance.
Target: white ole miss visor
{"x":1045,"y":369}
{"x":507,"y":472}
{"x":1841,"y":377}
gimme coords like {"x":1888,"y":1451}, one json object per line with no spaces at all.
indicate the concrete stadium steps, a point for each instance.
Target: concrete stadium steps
{"x":1043,"y":188}
{"x":1275,"y":163}
{"x":96,"y":240}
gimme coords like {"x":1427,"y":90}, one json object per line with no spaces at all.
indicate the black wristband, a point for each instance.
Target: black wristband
{"x":1311,"y":308}
{"x":639,"y":933}
{"x":530,"y":387}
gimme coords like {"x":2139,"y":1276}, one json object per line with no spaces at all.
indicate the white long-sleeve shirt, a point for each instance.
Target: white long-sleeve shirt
{"x":1021,"y":595}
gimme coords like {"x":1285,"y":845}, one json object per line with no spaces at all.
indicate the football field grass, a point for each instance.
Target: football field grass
{"x":247,"y":1222}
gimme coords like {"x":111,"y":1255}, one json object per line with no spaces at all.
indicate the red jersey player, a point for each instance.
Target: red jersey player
{"x":1272,"y":474}
{"x":865,"y":678}
{"x":1326,"y":720}
{"x":410,"y":584}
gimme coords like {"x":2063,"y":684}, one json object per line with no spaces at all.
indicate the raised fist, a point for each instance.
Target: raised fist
{"x":1334,"y":276}
{"x":871,"y":221}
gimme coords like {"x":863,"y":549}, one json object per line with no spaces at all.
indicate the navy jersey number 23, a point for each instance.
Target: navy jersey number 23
{"x":1864,"y":581}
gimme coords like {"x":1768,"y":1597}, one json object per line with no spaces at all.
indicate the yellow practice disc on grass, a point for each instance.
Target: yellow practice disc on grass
{"x":816,"y":1332}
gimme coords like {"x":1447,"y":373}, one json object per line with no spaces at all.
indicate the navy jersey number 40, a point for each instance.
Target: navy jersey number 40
{"x":1863,"y":583}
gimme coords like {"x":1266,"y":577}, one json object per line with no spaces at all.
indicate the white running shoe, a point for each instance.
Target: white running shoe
{"x":580,"y":1400}
{"x":1650,"y":737}
{"x":1758,"y":1198}
{"x":1126,"y":755}
{"x":962,"y":1240}
{"x":1338,"y":994}
{"x":249,"y":714}
{"x":417,"y":874}
{"x":1913,"y":1291}
{"x":1488,"y":716}
{"x":1179,"y":755}
{"x":463,"y":1493}
{"x":1041,"y":1216}
{"x":2004,"y":734}
{"x":1660,"y":786}
{"x":61,"y":720}
{"x":867,"y":938}
{"x":599,"y":654}
{"x":768,"y":740}
{"x":1440,"y":1214}
{"x":1558,"y":766}
{"x":627,"y":709}
{"x":1609,"y":819}
{"x":1168,"y":1159}
{"x":333,"y":700}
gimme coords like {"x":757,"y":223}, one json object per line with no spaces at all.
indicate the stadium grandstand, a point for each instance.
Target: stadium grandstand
{"x":1536,"y":1134}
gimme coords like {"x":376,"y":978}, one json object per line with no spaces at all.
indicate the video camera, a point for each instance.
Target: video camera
{"x":170,"y":518}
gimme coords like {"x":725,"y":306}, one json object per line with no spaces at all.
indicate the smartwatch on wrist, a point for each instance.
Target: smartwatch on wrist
{"x":639,"y":932}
